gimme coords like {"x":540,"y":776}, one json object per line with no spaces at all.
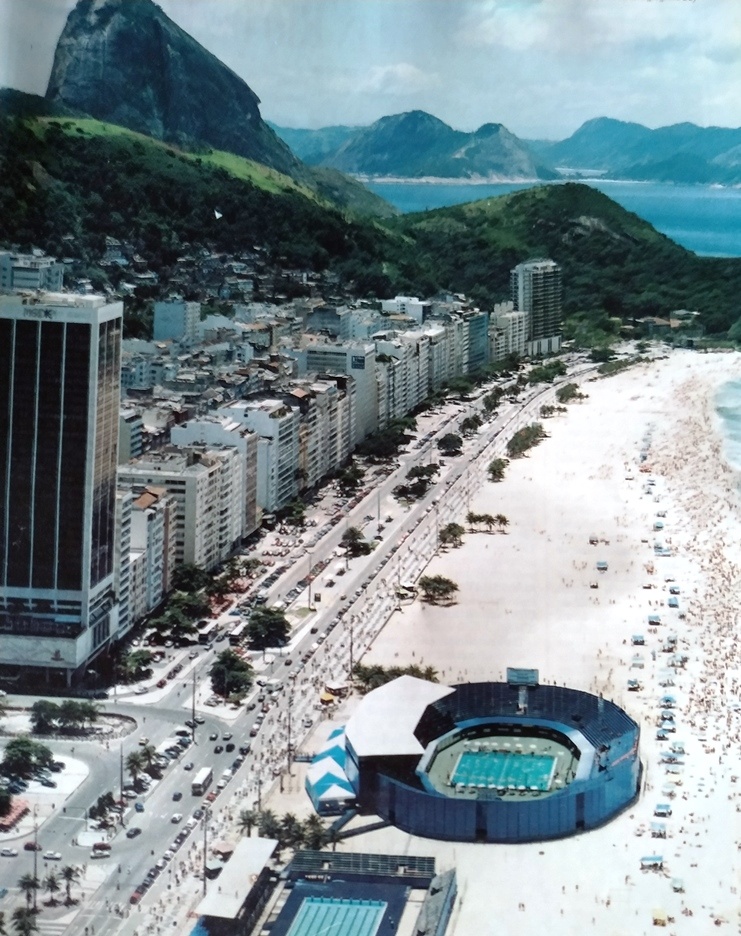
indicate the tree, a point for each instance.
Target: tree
{"x":52,"y":887}
{"x":135,"y":765}
{"x":496,"y":469}
{"x":24,"y":922}
{"x":3,"y":928}
{"x":354,"y":542}
{"x":149,"y":756}
{"x":269,"y":825}
{"x":134,"y":665}
{"x":524,"y":439}
{"x":450,"y":444}
{"x":267,"y":627}
{"x":314,"y":833}
{"x":451,"y":534}
{"x":247,"y":820}
{"x":436,"y":589}
{"x":471,"y":424}
{"x":69,"y":874}
{"x":291,"y":831}
{"x":44,"y":716}
{"x":29,"y":885}
{"x":502,"y":522}
{"x":569,"y":392}
{"x":350,"y":479}
{"x":23,"y":756}
{"x":230,"y":675}
{"x":6,"y":799}
{"x":189,"y":578}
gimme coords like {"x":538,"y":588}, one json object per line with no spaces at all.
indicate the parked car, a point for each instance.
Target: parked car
{"x":9,"y":853}
{"x":133,"y":832}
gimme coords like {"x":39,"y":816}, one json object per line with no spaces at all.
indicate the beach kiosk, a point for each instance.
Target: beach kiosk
{"x":659,"y":917}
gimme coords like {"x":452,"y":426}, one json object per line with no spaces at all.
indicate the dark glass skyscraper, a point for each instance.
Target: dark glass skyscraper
{"x":59,"y":401}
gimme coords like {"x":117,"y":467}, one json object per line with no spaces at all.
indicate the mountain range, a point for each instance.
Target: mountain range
{"x":417,"y":144}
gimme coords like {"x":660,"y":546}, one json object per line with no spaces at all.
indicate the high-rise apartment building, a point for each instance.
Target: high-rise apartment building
{"x":536,"y":289}
{"x":60,"y":358}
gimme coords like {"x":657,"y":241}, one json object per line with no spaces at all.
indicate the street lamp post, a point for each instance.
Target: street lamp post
{"x":206,"y":817}
{"x":121,"y":779}
{"x":308,"y":553}
{"x":35,"y":856}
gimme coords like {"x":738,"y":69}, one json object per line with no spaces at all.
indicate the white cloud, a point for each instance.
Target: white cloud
{"x":399,"y":79}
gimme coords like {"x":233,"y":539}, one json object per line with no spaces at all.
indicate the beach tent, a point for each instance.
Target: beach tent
{"x":638,"y":640}
{"x":677,"y":885}
{"x":662,"y":809}
{"x":658,"y":830}
{"x":667,"y":701}
{"x":659,"y":917}
{"x":673,"y":602}
{"x":677,"y":747}
{"x":652,"y":863}
{"x":674,"y":589}
{"x":602,"y":566}
{"x":654,"y":620}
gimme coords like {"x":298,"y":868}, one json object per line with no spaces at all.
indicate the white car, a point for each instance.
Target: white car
{"x":9,"y":853}
{"x":52,"y":856}
{"x":176,"y":817}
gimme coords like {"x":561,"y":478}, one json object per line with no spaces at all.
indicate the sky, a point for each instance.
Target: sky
{"x":540,"y":67}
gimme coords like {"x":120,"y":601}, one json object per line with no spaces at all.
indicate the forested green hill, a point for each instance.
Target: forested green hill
{"x":66,"y":176}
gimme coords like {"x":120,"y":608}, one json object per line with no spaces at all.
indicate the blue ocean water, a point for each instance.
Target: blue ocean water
{"x":702,"y":218}
{"x":728,"y":407}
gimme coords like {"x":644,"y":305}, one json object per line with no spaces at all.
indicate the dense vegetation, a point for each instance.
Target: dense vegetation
{"x":66,"y":183}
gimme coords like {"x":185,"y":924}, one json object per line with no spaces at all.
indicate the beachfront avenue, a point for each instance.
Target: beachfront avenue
{"x":371,"y":598}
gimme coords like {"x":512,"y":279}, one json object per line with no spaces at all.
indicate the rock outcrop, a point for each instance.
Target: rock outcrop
{"x":126,"y":62}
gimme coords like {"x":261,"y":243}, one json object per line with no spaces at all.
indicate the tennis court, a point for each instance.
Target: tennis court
{"x":504,"y":770}
{"x":327,"y":916}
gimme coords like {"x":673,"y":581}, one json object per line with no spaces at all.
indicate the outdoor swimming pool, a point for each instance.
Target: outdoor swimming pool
{"x":319,"y":916}
{"x":504,"y":770}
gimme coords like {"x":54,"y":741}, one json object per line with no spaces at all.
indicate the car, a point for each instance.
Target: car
{"x":244,"y":750}
{"x":229,"y":747}
{"x":218,"y":749}
{"x":227,"y":736}
{"x":176,"y":817}
{"x":143,"y":740}
{"x":214,"y":736}
{"x":31,"y":846}
{"x":135,"y":897}
{"x":139,"y":807}
{"x":47,"y":782}
{"x":57,"y":766}
{"x":133,"y":832}
{"x":188,"y":766}
{"x":140,"y":690}
{"x":254,"y":730}
{"x":177,"y":796}
{"x":200,"y":719}
{"x":191,"y":723}
{"x":161,"y":683}
{"x":237,"y":763}
{"x":52,"y":856}
{"x":198,"y":813}
{"x":9,"y":853}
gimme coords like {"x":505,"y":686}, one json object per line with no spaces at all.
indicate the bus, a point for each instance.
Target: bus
{"x":236,"y":635}
{"x":208,"y":634}
{"x":202,"y":781}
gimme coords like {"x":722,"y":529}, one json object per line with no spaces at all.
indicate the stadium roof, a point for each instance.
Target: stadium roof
{"x":237,"y":879}
{"x":384,"y":722}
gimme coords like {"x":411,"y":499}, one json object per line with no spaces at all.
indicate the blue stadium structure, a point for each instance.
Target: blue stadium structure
{"x":491,"y":762}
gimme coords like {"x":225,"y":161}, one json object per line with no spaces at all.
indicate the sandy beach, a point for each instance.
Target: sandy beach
{"x":526,"y":599}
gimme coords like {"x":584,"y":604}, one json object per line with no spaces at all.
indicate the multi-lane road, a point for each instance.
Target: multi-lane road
{"x":360,"y":602}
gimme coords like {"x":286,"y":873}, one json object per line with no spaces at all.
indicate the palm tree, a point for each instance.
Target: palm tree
{"x":3,"y":930}
{"x":29,"y":885}
{"x":247,"y":820}
{"x":502,"y":522}
{"x":269,"y":824}
{"x":333,"y":837}
{"x":135,"y":764}
{"x":291,"y":830}
{"x":314,"y":833}
{"x":148,"y":754}
{"x":52,"y":887}
{"x":24,"y":922}
{"x":69,"y":874}
{"x":437,"y":588}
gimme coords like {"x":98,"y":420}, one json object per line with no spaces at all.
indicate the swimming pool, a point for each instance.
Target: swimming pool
{"x":504,"y":770}
{"x":327,"y":916}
